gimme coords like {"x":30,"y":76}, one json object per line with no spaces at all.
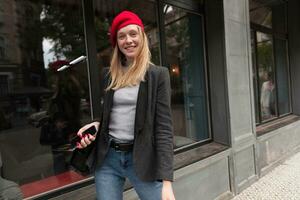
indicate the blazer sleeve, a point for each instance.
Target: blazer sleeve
{"x":104,"y":83}
{"x":163,"y":127}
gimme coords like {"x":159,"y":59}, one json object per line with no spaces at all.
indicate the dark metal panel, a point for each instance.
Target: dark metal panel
{"x":161,"y":31}
{"x":267,"y":30}
{"x":216,"y":59}
{"x":294,"y":52}
{"x":93,"y":67}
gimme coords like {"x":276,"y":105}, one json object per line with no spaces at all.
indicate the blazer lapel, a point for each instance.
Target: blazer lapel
{"x":108,"y":102}
{"x":141,"y":106}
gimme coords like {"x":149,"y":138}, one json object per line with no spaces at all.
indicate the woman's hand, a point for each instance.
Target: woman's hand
{"x":167,"y":191}
{"x":88,"y":138}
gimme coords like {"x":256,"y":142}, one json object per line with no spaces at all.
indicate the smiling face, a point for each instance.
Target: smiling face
{"x":129,"y":41}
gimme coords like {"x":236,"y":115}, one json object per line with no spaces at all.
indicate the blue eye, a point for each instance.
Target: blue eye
{"x":133,"y":34}
{"x":121,"y":37}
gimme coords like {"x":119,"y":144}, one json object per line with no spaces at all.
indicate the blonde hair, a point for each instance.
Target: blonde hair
{"x":136,"y":70}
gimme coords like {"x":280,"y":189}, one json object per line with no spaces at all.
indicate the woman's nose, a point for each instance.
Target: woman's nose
{"x":128,"y":39}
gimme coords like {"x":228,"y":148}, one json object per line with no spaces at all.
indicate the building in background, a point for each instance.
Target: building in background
{"x":234,"y":68}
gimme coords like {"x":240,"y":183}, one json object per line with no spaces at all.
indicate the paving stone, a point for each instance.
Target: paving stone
{"x":282,"y":183}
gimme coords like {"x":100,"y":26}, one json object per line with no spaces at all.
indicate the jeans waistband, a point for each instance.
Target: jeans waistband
{"x":121,"y":146}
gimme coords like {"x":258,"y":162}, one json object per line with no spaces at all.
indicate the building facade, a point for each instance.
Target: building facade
{"x":234,"y":68}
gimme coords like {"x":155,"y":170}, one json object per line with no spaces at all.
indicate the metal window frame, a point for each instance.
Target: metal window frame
{"x":257,"y":90}
{"x":92,"y":63}
{"x":275,"y":35}
{"x":197,"y":10}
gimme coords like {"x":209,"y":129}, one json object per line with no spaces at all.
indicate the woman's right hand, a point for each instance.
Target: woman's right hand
{"x":88,"y":138}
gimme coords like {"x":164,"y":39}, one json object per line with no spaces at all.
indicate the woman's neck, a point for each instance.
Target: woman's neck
{"x":128,"y":62}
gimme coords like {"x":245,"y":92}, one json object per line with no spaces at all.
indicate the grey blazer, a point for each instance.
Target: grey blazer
{"x":153,"y":132}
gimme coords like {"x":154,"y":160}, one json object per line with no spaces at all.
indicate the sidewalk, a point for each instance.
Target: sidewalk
{"x":282,"y":183}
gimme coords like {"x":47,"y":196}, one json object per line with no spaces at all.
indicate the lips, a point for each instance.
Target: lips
{"x":130,"y":47}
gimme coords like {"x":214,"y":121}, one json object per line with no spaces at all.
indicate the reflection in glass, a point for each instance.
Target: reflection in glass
{"x":185,"y":60}
{"x":266,"y":75}
{"x":271,"y":57}
{"x":270,"y":14}
{"x":34,"y":97}
{"x":280,"y":50}
{"x":261,"y":16}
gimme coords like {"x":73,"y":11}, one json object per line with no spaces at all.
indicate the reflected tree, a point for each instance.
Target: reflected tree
{"x":264,"y":52}
{"x":64,"y":28}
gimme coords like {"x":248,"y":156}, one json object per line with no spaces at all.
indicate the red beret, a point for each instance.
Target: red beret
{"x":121,"y":20}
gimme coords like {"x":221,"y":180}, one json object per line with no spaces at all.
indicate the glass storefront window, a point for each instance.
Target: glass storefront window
{"x":41,"y":109}
{"x":185,"y":60}
{"x":280,"y":51}
{"x":267,"y":87}
{"x":270,"y":60}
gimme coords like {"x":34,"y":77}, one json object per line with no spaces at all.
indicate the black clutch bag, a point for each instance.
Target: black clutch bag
{"x":79,"y":156}
{"x":79,"y":159}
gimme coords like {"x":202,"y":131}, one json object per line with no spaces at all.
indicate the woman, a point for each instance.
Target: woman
{"x":134,"y":136}
{"x":267,"y":97}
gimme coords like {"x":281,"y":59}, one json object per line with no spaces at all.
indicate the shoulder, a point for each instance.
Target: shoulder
{"x":158,"y":75}
{"x":265,"y":84}
{"x":157,"y":70}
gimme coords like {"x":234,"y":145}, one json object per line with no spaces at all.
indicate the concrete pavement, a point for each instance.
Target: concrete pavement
{"x":282,"y":183}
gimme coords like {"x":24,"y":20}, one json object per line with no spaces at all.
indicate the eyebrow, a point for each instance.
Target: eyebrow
{"x":131,"y":30}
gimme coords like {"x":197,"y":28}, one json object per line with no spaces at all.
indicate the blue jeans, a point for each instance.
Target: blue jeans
{"x":110,"y":178}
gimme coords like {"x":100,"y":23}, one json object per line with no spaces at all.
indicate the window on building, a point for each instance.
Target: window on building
{"x":183,"y":56}
{"x":185,"y":59}
{"x":49,"y":34}
{"x":270,"y":60}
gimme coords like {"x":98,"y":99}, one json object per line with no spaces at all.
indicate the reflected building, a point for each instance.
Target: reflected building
{"x":23,"y":77}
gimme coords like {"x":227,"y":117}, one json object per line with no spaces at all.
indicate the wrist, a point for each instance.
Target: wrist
{"x":167,"y":183}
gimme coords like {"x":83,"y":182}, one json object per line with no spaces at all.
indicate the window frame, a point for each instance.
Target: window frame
{"x":275,"y":35}
{"x":163,"y":44}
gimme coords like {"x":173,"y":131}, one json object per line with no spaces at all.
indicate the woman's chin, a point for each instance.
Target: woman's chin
{"x":130,"y":56}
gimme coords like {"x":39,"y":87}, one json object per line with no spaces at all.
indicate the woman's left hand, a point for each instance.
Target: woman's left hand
{"x":167,"y":191}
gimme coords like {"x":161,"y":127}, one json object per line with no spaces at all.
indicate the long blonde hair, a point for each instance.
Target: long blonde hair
{"x":136,"y":70}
